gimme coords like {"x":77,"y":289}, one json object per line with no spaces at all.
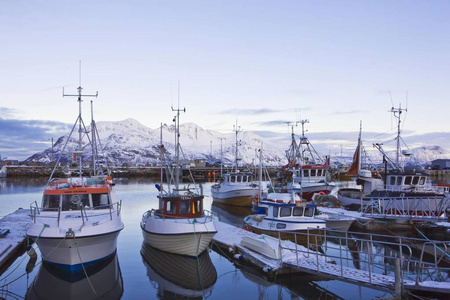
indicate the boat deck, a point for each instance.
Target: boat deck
{"x":13,"y":240}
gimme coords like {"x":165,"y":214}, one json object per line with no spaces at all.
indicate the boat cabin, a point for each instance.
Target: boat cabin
{"x":288,"y":210}
{"x":238,"y":178}
{"x":180,"y":206}
{"x":401,"y":182}
{"x":313,"y":173}
{"x":75,"y":200}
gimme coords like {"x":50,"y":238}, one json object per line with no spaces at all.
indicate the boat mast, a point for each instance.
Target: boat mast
{"x":293,"y":152}
{"x":236,"y":129}
{"x":79,"y":151}
{"x":397,"y":114}
{"x":177,"y":140}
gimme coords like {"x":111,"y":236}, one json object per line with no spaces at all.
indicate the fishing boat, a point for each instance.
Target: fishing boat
{"x":403,"y":192}
{"x":282,"y":219}
{"x":309,"y":171}
{"x":236,"y":188}
{"x":177,"y":276}
{"x":179,"y":225}
{"x":79,"y":219}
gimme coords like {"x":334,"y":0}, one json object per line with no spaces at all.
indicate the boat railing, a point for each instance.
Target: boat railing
{"x":35,"y":211}
{"x":420,"y":260}
{"x":413,"y":208}
{"x":207,"y":215}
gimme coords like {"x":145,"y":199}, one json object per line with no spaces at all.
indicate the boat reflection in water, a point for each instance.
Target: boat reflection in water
{"x":179,"y":276}
{"x":104,"y":281}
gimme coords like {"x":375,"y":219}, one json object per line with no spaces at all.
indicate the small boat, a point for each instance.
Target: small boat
{"x":236,"y":188}
{"x":79,"y":220}
{"x":309,"y":171}
{"x":284,"y":220}
{"x":336,"y":221}
{"x":263,"y":244}
{"x":179,"y":225}
{"x":103,"y":281}
{"x":177,"y":276}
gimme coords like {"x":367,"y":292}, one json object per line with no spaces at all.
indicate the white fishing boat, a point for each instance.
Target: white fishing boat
{"x":79,"y":219}
{"x":282,"y":219}
{"x":235,"y":188}
{"x":177,"y":276}
{"x":309,"y":171}
{"x":179,"y":225}
{"x":404,"y":192}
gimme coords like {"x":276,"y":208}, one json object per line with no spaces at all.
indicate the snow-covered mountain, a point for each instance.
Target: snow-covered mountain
{"x":129,"y":141}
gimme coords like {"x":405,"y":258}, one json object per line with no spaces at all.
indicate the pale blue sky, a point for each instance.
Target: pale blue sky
{"x":262,"y":62}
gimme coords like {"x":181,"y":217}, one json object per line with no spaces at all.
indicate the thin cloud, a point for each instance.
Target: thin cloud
{"x":249,"y":111}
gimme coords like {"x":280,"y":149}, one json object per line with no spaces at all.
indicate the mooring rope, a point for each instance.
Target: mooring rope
{"x":79,"y":256}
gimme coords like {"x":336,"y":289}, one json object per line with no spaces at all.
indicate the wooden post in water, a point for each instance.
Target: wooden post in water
{"x":398,"y":279}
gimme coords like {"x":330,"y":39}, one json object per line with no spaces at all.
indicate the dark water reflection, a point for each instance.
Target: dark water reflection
{"x":148,"y":274}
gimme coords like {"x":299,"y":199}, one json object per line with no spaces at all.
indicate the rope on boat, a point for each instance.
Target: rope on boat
{"x":71,"y":233}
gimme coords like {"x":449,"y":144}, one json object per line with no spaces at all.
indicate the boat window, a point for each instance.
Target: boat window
{"x":415,"y":180}
{"x":184,"y":207}
{"x":392,"y":181}
{"x":319,"y":172}
{"x":285,"y":212}
{"x":171,"y":207}
{"x":399,"y":180}
{"x":408,"y":180}
{"x":313,"y":173}
{"x":281,"y":226}
{"x":100,"y":200}
{"x":309,"y":212}
{"x":244,"y":178}
{"x":74,"y":201}
{"x":305,"y":173}
{"x":233,"y":178}
{"x":275,"y":212}
{"x":195,"y":207}
{"x":50,"y":201}
{"x":298,"y":211}
{"x":239,"y":178}
{"x":422,"y":180}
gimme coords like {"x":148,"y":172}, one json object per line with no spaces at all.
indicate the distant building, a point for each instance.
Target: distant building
{"x":440,"y":164}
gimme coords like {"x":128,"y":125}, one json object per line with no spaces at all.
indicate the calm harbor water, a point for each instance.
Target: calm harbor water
{"x":154,"y":274}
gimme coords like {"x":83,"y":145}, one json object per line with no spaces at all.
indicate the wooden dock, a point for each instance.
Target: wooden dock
{"x":296,"y":258}
{"x":13,"y":241}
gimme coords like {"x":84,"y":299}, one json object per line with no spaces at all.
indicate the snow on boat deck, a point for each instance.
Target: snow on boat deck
{"x":17,"y":223}
{"x":305,"y":260}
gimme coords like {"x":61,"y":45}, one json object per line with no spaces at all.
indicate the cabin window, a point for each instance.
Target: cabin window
{"x":74,"y":201}
{"x":408,"y":180}
{"x":244,"y":178}
{"x":422,"y":180}
{"x":319,"y":172}
{"x":399,"y":180}
{"x":285,"y":212}
{"x":275,"y":212}
{"x":233,"y":179}
{"x":281,"y":226}
{"x":305,"y":173}
{"x":298,"y":211}
{"x":195,"y":207}
{"x":184,"y":207}
{"x":50,"y":201}
{"x":100,"y":200}
{"x":415,"y":180}
{"x":313,"y":173}
{"x":309,"y":212}
{"x":392,"y":181}
{"x":171,"y":207}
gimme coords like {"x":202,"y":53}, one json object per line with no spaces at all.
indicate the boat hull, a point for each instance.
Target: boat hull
{"x":349,"y":196}
{"x":179,"y":236}
{"x":70,"y":253}
{"x":237,"y":197}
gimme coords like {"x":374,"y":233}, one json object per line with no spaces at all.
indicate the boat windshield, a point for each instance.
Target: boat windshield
{"x":75,"y":201}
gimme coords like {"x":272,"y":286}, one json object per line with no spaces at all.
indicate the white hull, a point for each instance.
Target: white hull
{"x":349,"y":196}
{"x":72,"y":252}
{"x":71,"y":242}
{"x":267,"y":224}
{"x":179,"y":236}
{"x":238,"y":195}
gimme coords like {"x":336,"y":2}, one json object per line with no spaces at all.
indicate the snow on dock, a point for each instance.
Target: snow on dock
{"x":13,"y":235}
{"x":296,"y":258}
